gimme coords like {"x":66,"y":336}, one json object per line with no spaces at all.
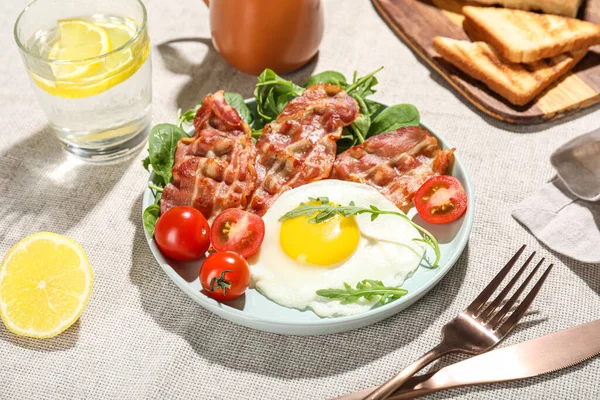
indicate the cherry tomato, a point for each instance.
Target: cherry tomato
{"x":239,"y":231}
{"x":225,"y":275}
{"x":441,"y":199}
{"x":182,"y":233}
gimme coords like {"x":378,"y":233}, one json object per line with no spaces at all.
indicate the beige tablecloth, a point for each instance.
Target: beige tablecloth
{"x":141,"y":337}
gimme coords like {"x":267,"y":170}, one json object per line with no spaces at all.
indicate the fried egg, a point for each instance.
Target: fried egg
{"x":297,"y":257}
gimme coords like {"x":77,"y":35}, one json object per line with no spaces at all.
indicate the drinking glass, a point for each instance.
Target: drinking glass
{"x":90,"y":64}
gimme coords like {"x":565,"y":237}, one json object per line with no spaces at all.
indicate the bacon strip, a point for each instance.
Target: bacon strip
{"x":213,"y":170}
{"x":299,"y":147}
{"x":396,"y":163}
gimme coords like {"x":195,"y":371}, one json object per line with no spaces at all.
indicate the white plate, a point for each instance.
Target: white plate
{"x":256,"y":311}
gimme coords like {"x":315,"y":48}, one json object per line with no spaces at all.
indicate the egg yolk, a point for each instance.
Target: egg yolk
{"x":324,"y":244}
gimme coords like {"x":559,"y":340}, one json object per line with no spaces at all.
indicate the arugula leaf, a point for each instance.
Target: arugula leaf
{"x":368,"y":289}
{"x":236,"y":101}
{"x":324,"y":210}
{"x":361,"y":124}
{"x":331,"y":77}
{"x":150,"y":217}
{"x":347,"y":140}
{"x":188,"y":116}
{"x":272,"y":94}
{"x":394,"y":117}
{"x":161,"y":149}
{"x":359,"y":90}
{"x":256,"y":134}
{"x":363,"y":86}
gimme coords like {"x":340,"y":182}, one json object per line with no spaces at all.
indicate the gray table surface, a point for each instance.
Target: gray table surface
{"x":141,"y":337}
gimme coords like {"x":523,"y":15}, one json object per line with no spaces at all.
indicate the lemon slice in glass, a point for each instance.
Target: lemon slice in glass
{"x":79,"y":40}
{"x":77,"y":79}
{"x":45,"y":283}
{"x":119,"y":34}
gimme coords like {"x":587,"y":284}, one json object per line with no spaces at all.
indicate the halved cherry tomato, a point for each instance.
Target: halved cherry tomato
{"x":182,"y":233}
{"x":441,"y":199}
{"x":239,"y":231}
{"x":225,"y":275}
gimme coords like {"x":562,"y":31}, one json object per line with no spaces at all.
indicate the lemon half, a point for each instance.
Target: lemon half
{"x":45,"y":283}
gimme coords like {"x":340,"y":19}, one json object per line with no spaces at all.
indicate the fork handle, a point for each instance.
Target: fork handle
{"x":385,"y":390}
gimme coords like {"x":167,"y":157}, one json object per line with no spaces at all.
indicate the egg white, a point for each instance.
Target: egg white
{"x":386,"y":252}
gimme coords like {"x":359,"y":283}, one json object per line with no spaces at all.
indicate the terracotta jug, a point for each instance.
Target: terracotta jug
{"x":252,"y":35}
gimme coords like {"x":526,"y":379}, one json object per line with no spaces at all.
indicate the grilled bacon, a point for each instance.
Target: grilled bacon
{"x":213,"y":170}
{"x":220,"y":167}
{"x":396,"y":163}
{"x":299,"y":147}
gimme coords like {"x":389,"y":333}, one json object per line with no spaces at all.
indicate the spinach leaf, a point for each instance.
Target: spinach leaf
{"x":161,"y":149}
{"x":236,"y":101}
{"x":373,"y":108}
{"x":395,"y":117}
{"x":150,"y":217}
{"x":331,"y":77}
{"x":272,"y":94}
{"x":146,"y":163}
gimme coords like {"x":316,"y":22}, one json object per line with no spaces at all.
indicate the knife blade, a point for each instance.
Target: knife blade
{"x":527,"y":359}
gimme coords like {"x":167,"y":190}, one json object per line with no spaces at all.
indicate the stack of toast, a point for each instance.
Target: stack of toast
{"x":517,"y":53}
{"x":567,"y":8}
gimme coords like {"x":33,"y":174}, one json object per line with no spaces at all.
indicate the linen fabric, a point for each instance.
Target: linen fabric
{"x":143,"y":338}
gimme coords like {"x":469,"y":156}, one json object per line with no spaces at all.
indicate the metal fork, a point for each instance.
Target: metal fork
{"x":474,"y":331}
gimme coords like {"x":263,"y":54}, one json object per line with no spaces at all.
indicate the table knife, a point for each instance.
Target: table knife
{"x":527,"y":359}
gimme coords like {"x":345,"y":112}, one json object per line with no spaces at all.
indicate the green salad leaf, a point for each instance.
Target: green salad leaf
{"x":150,"y":217}
{"x":236,"y":101}
{"x":256,"y":134}
{"x":359,"y":89}
{"x":331,"y":77}
{"x":368,"y":289}
{"x":162,"y":144}
{"x":272,"y":94}
{"x":395,"y":117}
{"x":146,"y":163}
{"x":357,"y":132}
{"x":188,"y":116}
{"x":363,"y":86}
{"x":373,"y":107}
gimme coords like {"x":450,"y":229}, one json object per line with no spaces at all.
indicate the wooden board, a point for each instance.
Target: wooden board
{"x":417,"y":22}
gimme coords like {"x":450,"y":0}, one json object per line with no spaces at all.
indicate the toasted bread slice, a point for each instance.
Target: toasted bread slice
{"x":524,"y":37}
{"x":567,"y":8}
{"x":517,"y":83}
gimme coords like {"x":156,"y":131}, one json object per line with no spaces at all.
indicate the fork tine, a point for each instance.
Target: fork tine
{"x":516,"y":316}
{"x":496,"y":303}
{"x":493,"y":285}
{"x":515,"y":297}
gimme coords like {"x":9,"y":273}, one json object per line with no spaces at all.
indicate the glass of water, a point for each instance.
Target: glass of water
{"x":90,"y":64}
